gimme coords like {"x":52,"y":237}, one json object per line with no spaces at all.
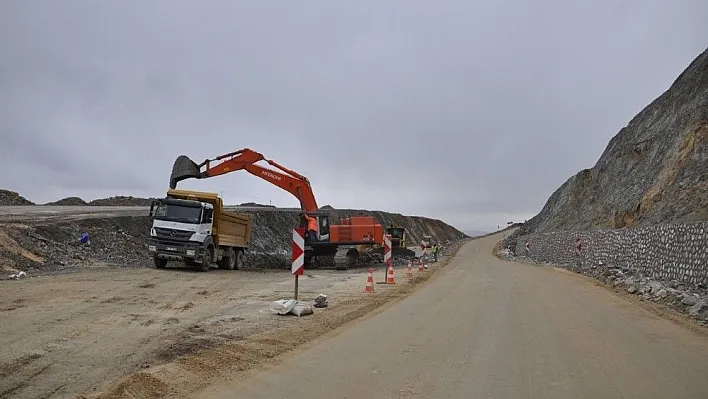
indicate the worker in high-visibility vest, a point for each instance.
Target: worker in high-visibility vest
{"x":311,"y":229}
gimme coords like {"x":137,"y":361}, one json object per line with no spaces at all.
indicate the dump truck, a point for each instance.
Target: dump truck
{"x":194,"y":228}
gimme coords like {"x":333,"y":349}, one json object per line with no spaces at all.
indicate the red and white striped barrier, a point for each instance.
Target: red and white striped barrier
{"x":298,"y":248}
{"x":387,"y":250}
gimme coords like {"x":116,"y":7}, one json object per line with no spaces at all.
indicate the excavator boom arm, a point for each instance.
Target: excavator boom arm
{"x":246,"y":159}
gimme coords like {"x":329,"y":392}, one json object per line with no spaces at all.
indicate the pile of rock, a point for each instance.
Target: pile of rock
{"x":679,"y":295}
{"x":118,"y":241}
{"x":11,"y":198}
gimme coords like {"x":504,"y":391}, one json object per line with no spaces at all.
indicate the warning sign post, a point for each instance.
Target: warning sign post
{"x":298,"y":259}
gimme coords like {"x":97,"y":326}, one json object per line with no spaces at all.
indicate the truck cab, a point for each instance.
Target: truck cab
{"x":179,"y":229}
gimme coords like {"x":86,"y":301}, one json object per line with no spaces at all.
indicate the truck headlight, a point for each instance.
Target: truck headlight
{"x":189,"y":252}
{"x":151,"y":248}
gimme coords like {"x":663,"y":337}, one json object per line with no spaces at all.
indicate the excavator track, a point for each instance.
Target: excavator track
{"x":346,"y":257}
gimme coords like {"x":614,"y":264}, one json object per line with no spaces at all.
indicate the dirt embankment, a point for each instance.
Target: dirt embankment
{"x":272,"y":233}
{"x":48,"y":246}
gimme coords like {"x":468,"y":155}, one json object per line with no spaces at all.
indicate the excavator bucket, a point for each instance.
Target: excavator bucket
{"x":183,"y":168}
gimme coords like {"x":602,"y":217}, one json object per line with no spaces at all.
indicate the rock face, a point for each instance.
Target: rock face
{"x":655,"y":170}
{"x":641,"y":213}
{"x":11,"y":198}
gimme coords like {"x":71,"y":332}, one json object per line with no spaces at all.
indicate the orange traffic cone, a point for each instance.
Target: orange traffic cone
{"x":389,"y":277}
{"x":409,"y":272}
{"x":370,"y":281}
{"x":420,"y":265}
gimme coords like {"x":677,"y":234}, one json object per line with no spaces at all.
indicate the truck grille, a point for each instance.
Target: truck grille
{"x":172,"y":234}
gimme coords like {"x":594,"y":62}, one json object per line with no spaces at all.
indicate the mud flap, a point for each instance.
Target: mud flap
{"x":183,"y":168}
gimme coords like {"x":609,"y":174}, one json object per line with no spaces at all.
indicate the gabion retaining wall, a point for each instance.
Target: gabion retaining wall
{"x":667,"y":252}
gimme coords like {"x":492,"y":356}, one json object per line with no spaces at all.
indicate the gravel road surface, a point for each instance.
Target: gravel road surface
{"x":487,"y":328}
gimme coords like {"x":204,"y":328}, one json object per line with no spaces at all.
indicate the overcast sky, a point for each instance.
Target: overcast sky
{"x":472,"y":112}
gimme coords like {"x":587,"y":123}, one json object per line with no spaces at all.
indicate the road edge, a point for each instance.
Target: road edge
{"x":655,"y":308}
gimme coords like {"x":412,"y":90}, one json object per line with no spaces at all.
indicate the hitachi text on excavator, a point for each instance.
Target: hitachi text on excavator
{"x":339,"y":240}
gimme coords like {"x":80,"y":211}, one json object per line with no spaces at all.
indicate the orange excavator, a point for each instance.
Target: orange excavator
{"x":339,"y":240}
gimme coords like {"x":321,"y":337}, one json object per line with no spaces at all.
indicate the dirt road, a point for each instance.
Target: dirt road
{"x":487,"y":328}
{"x":69,"y":335}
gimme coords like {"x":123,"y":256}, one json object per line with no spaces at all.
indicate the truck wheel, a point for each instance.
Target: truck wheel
{"x":206,"y":261}
{"x":228,"y":262}
{"x":160,"y":263}
{"x":240,"y":259}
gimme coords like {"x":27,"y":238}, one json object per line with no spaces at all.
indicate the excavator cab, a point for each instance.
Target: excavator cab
{"x":398,"y":236}
{"x":322,"y":224}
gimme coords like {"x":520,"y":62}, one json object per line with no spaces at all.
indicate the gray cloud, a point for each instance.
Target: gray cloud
{"x":472,"y":112}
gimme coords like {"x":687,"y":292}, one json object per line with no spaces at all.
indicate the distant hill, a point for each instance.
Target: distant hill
{"x":69,"y":201}
{"x":9,"y":198}
{"x":655,"y":170}
{"x":122,"y":200}
{"x":254,"y":204}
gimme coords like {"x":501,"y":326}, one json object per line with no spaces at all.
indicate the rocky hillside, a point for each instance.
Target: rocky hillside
{"x":655,"y":170}
{"x":53,"y":246}
{"x":11,"y":198}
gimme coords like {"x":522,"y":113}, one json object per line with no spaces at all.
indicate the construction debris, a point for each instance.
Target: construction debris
{"x":321,"y":301}
{"x":291,"y":306}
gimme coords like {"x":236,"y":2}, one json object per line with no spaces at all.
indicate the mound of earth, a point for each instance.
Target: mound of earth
{"x":11,"y":198}
{"x":255,"y":204}
{"x":69,"y":201}
{"x":122,"y":201}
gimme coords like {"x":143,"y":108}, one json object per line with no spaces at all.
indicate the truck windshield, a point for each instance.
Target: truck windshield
{"x":178,"y":213}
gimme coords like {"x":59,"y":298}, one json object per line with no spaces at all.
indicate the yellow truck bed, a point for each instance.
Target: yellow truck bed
{"x":230,"y":229}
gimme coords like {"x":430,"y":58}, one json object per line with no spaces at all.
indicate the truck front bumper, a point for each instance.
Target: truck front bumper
{"x":174,"y":250}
